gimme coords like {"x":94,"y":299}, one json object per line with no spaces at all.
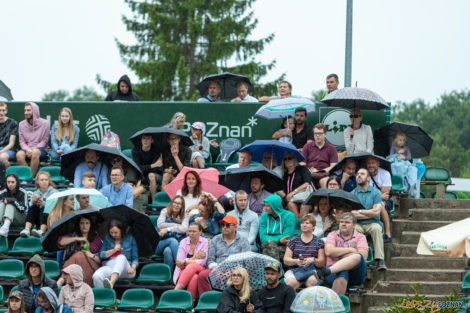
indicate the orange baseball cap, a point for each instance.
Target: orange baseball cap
{"x":229,"y":219}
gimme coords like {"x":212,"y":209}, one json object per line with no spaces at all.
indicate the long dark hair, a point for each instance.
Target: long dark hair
{"x":91,"y":234}
{"x":119,"y":224}
{"x":197,"y":190}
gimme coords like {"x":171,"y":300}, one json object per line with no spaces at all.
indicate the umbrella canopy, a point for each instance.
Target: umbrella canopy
{"x":96,"y":198}
{"x":138,"y":224}
{"x":355,"y":98}
{"x":72,"y":159}
{"x":209,"y":181}
{"x":281,"y":108}
{"x":66,"y":225}
{"x":335,"y":196}
{"x":5,"y":92}
{"x":253,"y":262}
{"x":361,"y":161}
{"x":239,"y":178}
{"x":317,"y":299}
{"x":259,"y":147}
{"x":228,"y":83}
{"x":417,"y":140}
{"x":159,"y":136}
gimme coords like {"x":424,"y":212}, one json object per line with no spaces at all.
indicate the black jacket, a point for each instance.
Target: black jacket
{"x":144,"y":159}
{"x":230,"y":302}
{"x":26,"y":285}
{"x":277,"y":300}
{"x":118,"y":95}
{"x":19,"y":199}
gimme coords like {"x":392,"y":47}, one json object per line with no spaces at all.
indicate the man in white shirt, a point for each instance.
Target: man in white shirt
{"x":242,"y":91}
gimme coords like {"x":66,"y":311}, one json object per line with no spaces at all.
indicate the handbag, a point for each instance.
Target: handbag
{"x":301,"y":196}
{"x":301,"y":273}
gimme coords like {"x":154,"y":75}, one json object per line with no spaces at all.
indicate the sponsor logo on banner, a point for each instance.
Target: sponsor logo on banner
{"x":214,"y":129}
{"x":336,"y":121}
{"x":96,"y":126}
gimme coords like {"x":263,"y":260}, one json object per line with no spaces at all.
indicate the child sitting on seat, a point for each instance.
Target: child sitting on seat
{"x":285,"y":133}
{"x":399,"y":146}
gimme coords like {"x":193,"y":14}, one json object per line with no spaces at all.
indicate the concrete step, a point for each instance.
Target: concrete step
{"x":410,"y":203}
{"x":409,"y":237}
{"x":429,"y":262}
{"x":401,"y":225}
{"x":427,"y":287}
{"x":404,"y":249}
{"x":439,"y":214}
{"x":422,"y":275}
{"x":376,"y":299}
{"x":376,"y":309}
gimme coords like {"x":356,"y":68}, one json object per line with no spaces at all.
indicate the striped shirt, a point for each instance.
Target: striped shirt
{"x":307,"y":249}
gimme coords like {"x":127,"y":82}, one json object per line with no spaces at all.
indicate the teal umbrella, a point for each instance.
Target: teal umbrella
{"x":281,"y":108}
{"x":5,"y":93}
{"x":317,"y":299}
{"x":96,"y":198}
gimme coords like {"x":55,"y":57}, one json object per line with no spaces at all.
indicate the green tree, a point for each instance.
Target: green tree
{"x":84,"y":93}
{"x":179,"y":42}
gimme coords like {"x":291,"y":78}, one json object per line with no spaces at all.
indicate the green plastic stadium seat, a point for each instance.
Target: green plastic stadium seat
{"x":422,"y":195}
{"x":104,"y":297}
{"x":3,"y":310}
{"x":370,"y":257}
{"x":11,"y":269}
{"x":52,"y":269}
{"x":2,"y":294}
{"x":54,"y":171}
{"x":346,"y":303}
{"x":127,"y":153}
{"x":179,"y":300}
{"x":154,"y":273}
{"x":232,"y":160}
{"x":154,"y":219}
{"x":447,"y":195}
{"x":208,"y":301}
{"x":436,"y":175}
{"x":29,"y":245}
{"x":24,"y":172}
{"x":397,"y":183}
{"x":160,"y":200}
{"x":3,"y":244}
{"x":137,"y":298}
{"x":466,"y":282}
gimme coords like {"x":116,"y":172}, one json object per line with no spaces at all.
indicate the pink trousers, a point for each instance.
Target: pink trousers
{"x":188,"y":278}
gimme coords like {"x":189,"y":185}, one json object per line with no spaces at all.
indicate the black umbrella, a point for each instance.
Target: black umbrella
{"x":417,"y":140}
{"x":138,"y":224}
{"x":335,"y":196}
{"x":70,"y":160}
{"x":5,"y":92}
{"x":159,"y":136}
{"x":361,"y":159}
{"x":227,"y":81}
{"x":352,"y":97}
{"x":66,"y":225}
{"x":239,"y":178}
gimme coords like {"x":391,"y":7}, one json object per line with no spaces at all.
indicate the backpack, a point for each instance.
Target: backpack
{"x":111,"y":139}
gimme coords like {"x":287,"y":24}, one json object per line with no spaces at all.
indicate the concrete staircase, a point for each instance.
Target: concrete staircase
{"x":437,"y":275}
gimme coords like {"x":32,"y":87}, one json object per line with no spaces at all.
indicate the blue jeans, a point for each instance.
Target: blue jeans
{"x":355,"y":276}
{"x":65,"y":147}
{"x":169,"y":249}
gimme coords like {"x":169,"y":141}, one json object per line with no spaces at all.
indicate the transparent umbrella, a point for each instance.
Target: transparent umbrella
{"x":317,"y":299}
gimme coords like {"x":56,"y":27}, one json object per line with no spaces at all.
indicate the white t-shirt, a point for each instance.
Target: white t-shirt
{"x":383,"y":178}
{"x":189,"y":200}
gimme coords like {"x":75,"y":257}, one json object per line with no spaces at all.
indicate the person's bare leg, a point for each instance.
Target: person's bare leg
{"x":311,"y":281}
{"x":200,"y":162}
{"x":21,"y":158}
{"x":43,"y":228}
{"x":195,"y":163}
{"x":385,"y":219}
{"x":322,"y":182}
{"x":339,"y":285}
{"x":346,"y":264}
{"x":28,"y":226}
{"x":153,"y":184}
{"x":166,"y":179}
{"x":291,"y":206}
{"x":305,"y":209}
{"x":4,"y":159}
{"x":114,"y":278}
{"x":35,"y":158}
{"x":291,"y":281}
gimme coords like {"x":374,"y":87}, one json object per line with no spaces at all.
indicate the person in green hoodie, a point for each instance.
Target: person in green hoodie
{"x":276,"y":226}
{"x":35,"y":280}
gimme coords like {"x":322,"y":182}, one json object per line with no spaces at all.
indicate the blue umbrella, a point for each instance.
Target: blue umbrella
{"x":96,"y":198}
{"x":281,"y":108}
{"x":277,"y":148}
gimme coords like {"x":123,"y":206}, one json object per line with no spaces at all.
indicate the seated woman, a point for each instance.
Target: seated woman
{"x":13,"y":204}
{"x":49,"y":303}
{"x":210,"y":213}
{"x":304,"y":254}
{"x":64,"y":206}
{"x":119,"y":256}
{"x":296,"y":179}
{"x":76,"y":294}
{"x":81,"y":248}
{"x":177,"y":121}
{"x":16,"y":302}
{"x":191,"y":260}
{"x":200,"y":147}
{"x":172,"y":226}
{"x":358,"y":138}
{"x":333,"y":182}
{"x":64,"y":134}
{"x":238,"y":296}
{"x":323,"y":214}
{"x":191,"y":191}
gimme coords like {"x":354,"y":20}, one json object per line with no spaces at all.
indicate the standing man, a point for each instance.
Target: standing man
{"x":320,"y":155}
{"x":276,"y":297}
{"x":332,"y":82}
{"x":302,"y":133}
{"x":213,"y":93}
{"x":284,"y":89}
{"x":118,"y":192}
{"x":91,"y":164}
{"x":8,"y":134}
{"x":124,"y":91}
{"x":148,"y":159}
{"x":242,"y":91}
{"x":248,"y":222}
{"x":368,"y":219}
{"x":34,"y":134}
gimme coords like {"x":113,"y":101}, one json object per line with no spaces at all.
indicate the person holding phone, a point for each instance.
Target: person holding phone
{"x":358,"y":137}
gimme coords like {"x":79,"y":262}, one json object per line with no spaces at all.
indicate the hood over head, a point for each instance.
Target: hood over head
{"x":38,"y":260}
{"x":76,"y":274}
{"x":127,"y":80}
{"x":275,"y":202}
{"x":52,"y":297}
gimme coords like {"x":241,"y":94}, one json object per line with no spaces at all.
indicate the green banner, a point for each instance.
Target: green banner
{"x":222,"y":119}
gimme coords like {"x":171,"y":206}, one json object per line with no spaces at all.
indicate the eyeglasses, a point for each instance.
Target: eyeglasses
{"x":318,"y":134}
{"x":114,"y":161}
{"x":193,"y":231}
{"x":333,"y":184}
{"x":354,"y":116}
{"x":178,"y":203}
{"x":288,"y":158}
{"x":227,"y":225}
{"x":237,"y":275}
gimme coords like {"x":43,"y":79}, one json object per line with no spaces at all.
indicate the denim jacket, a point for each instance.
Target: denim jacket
{"x":212,"y":227}
{"x":128,"y":248}
{"x":56,"y":143}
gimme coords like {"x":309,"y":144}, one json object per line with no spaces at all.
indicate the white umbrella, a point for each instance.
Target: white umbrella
{"x":281,"y":108}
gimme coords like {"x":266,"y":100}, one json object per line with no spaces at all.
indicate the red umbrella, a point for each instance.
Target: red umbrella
{"x":209,"y":178}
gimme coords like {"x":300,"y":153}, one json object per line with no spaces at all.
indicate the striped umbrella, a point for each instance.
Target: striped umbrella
{"x":281,"y":108}
{"x":355,"y":98}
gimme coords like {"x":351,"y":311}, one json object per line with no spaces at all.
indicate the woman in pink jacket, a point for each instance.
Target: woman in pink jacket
{"x":76,"y":294}
{"x":191,"y":259}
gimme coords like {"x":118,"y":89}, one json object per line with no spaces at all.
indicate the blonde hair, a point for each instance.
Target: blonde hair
{"x":62,"y":130}
{"x":245,"y":291}
{"x":58,"y":211}
{"x":36,"y":183}
{"x":283,"y":165}
{"x":176,"y":117}
{"x":397,"y":135}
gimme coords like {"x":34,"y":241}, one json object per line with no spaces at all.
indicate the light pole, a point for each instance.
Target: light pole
{"x":348,"y":50}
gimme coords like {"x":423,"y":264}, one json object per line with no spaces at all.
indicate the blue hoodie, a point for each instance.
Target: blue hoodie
{"x":271,"y":228}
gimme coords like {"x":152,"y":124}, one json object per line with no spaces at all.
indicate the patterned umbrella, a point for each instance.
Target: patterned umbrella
{"x":358,"y":98}
{"x":281,"y":108}
{"x":253,"y":262}
{"x":317,"y":299}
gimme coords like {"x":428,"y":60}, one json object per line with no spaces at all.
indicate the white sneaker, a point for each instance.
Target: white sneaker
{"x":4,"y":231}
{"x":24,"y":233}
{"x":107,"y":283}
{"x":37,"y":233}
